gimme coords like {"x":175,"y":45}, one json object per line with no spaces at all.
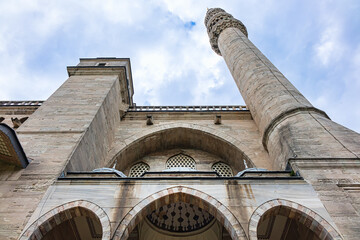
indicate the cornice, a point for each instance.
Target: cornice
{"x":95,"y":70}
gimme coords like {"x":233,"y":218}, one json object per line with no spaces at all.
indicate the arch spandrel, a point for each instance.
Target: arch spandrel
{"x":174,"y":135}
{"x":184,"y":194}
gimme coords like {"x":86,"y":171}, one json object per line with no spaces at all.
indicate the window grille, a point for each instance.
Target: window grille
{"x":222,"y":169}
{"x":3,"y":148}
{"x":180,"y":160}
{"x":138,"y":169}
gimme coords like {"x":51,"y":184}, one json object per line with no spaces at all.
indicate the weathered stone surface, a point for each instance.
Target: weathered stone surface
{"x":87,"y":124}
{"x":322,"y":151}
{"x":72,"y":128}
{"x":240,"y":197}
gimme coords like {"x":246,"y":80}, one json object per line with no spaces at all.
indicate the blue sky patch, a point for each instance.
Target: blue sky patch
{"x":189,"y":25}
{"x":315,"y":44}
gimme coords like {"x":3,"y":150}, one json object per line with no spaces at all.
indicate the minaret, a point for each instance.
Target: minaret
{"x":294,"y":132}
{"x":285,"y":118}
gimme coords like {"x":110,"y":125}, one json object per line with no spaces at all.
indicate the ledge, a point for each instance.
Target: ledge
{"x":277,"y":120}
{"x":231,"y":108}
{"x":95,"y":70}
{"x":259,"y":175}
{"x":21,"y":103}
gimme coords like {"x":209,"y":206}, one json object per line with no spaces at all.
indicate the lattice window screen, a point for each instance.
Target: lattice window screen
{"x":222,"y":169}
{"x":138,"y":169}
{"x":3,"y":148}
{"x":180,"y":160}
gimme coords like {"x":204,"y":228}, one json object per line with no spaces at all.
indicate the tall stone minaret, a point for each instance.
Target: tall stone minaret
{"x":293,"y":131}
{"x":267,"y":93}
{"x":285,"y":118}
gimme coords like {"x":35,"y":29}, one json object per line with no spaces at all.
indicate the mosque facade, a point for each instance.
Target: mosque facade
{"x":88,"y":163}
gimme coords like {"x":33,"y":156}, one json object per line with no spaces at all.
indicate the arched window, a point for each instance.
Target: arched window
{"x":138,"y":169}
{"x":222,"y":169}
{"x":180,"y":161}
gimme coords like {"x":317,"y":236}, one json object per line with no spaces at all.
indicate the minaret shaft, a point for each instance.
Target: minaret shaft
{"x":267,"y":93}
{"x":290,"y":126}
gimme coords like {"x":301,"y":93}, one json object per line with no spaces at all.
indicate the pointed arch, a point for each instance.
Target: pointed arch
{"x":311,"y":219}
{"x":60,"y":214}
{"x":181,"y":135}
{"x":184,"y":194}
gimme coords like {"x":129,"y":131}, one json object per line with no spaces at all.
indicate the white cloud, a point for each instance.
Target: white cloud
{"x":173,"y":64}
{"x":330,"y":46}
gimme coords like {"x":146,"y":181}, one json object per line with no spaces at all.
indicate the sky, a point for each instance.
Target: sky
{"x":314,"y":43}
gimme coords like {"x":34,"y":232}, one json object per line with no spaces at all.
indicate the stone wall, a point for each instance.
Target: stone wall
{"x":236,"y":139}
{"x":237,"y":199}
{"x":203,"y":160}
{"x":83,"y":110}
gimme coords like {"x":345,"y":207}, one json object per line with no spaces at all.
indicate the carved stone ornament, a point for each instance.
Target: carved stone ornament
{"x":211,"y":12}
{"x":216,"y":21}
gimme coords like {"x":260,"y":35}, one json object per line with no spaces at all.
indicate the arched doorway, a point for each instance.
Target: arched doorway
{"x":282,"y":219}
{"x":71,"y":221}
{"x":169,"y":214}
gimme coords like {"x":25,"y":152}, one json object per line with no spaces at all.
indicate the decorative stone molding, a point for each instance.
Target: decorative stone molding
{"x":211,"y":12}
{"x":175,"y":194}
{"x":230,"y":108}
{"x":216,"y":21}
{"x":289,"y":113}
{"x":58,"y":215}
{"x":94,"y":70}
{"x":308,"y":217}
{"x":20,"y":103}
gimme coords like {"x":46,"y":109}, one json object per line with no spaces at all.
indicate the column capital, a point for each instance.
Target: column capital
{"x":216,"y":20}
